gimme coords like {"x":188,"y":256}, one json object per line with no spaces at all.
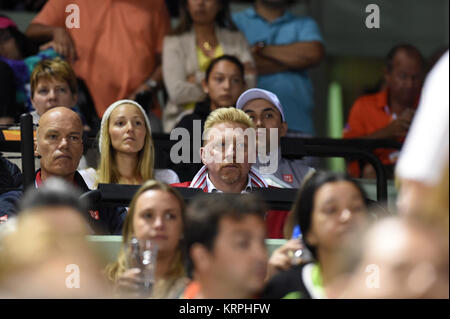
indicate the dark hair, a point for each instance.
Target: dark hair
{"x":409,"y":49}
{"x":223,"y":18}
{"x":8,"y":105}
{"x":225,"y":57}
{"x":54,"y":192}
{"x":207,"y":210}
{"x":24,"y":44}
{"x":304,"y":204}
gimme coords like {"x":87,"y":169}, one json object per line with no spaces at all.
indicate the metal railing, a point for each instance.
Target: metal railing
{"x":293,"y":148}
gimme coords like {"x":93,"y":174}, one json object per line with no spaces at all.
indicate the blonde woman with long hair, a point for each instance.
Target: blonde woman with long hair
{"x":126,"y":148}
{"x":156,"y":213}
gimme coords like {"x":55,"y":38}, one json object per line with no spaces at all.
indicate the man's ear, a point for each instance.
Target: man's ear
{"x":36,"y":149}
{"x":201,"y":257}
{"x":203,"y":154}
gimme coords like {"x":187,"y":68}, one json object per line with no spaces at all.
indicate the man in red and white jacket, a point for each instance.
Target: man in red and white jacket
{"x":227,"y":155}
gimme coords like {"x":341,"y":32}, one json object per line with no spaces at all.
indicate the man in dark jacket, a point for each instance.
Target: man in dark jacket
{"x":10,"y":175}
{"x":10,"y":178}
{"x":60,"y":145}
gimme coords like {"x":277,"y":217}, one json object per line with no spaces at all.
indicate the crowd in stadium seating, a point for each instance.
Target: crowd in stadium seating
{"x":388,"y":114}
{"x":221,"y":77}
{"x":205,"y":31}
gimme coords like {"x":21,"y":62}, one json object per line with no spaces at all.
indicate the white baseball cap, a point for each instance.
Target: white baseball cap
{"x":253,"y":94}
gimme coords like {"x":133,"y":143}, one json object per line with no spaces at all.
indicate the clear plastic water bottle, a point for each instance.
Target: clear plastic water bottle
{"x":148,"y":270}
{"x":300,"y":255}
{"x":141,"y":254}
{"x":134,"y":257}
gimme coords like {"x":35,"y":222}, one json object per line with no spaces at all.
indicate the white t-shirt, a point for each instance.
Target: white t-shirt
{"x":425,"y":152}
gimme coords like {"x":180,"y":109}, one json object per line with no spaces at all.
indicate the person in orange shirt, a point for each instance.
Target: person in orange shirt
{"x":388,"y":113}
{"x":114,"y":46}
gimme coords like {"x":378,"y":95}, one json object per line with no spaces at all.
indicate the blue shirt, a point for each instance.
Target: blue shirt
{"x":293,"y":88}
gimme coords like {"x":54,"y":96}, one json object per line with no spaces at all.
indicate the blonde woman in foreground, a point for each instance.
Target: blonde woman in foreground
{"x":157,"y":213}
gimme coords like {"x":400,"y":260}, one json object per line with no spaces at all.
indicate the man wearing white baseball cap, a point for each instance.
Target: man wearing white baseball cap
{"x":266,"y":111}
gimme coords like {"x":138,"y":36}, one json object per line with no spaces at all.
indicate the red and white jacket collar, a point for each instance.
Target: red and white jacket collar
{"x":38,"y":181}
{"x":201,"y":180}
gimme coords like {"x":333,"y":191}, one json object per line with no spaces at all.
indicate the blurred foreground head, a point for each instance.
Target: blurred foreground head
{"x":47,"y":255}
{"x":224,"y":236}
{"x":59,"y":203}
{"x":401,"y":258}
{"x":331,"y":210}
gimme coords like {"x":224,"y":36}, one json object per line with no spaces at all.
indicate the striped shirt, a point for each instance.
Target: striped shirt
{"x":201,"y":180}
